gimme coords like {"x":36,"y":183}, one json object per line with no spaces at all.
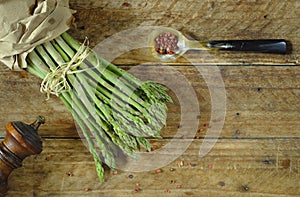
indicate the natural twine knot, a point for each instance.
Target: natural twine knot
{"x":56,"y":81}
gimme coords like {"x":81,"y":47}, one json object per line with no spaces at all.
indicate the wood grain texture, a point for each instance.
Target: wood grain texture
{"x":261,"y":101}
{"x":266,"y":167}
{"x":258,"y":149}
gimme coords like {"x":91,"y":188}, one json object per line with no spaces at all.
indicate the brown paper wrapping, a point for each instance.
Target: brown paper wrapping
{"x":25,"y":24}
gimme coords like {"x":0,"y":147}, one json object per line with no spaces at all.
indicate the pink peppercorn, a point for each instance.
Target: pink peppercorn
{"x":126,"y":4}
{"x":166,"y":43}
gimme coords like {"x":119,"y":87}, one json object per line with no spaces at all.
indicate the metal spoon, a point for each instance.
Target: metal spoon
{"x":167,"y":44}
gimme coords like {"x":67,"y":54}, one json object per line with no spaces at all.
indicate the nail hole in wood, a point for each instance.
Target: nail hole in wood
{"x":245,"y":188}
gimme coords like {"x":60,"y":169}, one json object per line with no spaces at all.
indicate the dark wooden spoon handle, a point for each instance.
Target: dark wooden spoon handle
{"x":275,"y":46}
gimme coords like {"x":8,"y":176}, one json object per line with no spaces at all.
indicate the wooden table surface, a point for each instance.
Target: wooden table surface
{"x":257,"y":152}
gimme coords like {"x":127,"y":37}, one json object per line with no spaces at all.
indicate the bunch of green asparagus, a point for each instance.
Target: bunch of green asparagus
{"x":114,"y":110}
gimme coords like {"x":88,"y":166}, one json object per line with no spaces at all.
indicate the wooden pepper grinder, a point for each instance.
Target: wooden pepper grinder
{"x":21,"y":140}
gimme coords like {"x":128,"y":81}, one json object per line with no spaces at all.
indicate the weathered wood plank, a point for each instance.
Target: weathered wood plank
{"x":260,"y":101}
{"x":208,"y":18}
{"x":208,"y":58}
{"x":266,"y":167}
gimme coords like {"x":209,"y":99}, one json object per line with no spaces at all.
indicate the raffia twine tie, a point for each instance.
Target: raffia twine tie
{"x":56,"y":81}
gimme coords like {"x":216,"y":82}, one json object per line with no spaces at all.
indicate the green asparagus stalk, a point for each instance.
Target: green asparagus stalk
{"x":114,"y":110}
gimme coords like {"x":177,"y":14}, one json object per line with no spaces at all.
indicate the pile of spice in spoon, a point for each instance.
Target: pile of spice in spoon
{"x":166,"y":43}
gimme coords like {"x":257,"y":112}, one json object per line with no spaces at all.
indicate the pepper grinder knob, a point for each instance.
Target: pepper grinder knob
{"x":21,"y":141}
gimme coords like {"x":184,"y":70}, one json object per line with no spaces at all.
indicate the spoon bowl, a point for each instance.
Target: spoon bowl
{"x":182,"y":44}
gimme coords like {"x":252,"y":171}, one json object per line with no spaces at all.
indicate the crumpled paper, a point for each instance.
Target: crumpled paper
{"x":25,"y":24}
